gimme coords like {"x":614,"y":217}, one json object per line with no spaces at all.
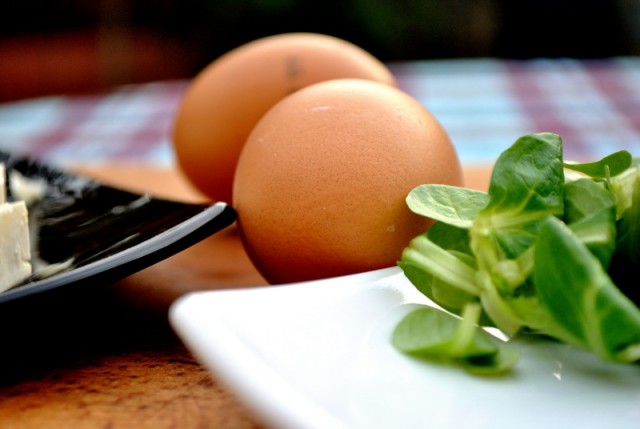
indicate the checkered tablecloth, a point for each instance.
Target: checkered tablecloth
{"x":485,"y":104}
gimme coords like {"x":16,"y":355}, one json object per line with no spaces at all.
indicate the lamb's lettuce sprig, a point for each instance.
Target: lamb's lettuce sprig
{"x":535,"y":252}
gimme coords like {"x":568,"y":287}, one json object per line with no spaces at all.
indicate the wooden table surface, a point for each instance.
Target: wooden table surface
{"x":106,"y":357}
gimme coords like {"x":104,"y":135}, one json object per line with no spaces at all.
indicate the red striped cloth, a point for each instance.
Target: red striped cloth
{"x":130,"y":124}
{"x":485,"y":104}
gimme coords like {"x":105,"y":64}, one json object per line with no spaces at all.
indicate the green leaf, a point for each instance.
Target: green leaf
{"x":434,"y":260}
{"x":500,"y":362}
{"x":432,"y":334}
{"x":428,"y":332}
{"x":507,"y":258}
{"x":598,"y":233}
{"x":583,"y":198}
{"x":527,"y":185}
{"x":450,"y":237}
{"x":609,"y":166}
{"x":449,"y":204}
{"x":629,"y":225}
{"x":527,"y":182}
{"x":434,"y":281}
{"x":450,"y":298}
{"x":580,"y":296}
{"x":623,"y":268}
{"x":590,"y":212}
{"x":623,"y":187}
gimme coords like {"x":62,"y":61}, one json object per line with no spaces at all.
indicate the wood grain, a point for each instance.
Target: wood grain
{"x":107,"y":357}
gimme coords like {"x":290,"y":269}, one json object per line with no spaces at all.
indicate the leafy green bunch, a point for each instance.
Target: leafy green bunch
{"x":549,"y":250}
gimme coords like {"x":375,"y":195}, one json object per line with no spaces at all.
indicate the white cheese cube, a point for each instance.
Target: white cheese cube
{"x":3,"y":185}
{"x":15,"y":250}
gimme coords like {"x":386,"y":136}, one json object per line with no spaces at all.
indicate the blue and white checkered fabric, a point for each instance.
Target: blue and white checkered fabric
{"x":485,"y":105}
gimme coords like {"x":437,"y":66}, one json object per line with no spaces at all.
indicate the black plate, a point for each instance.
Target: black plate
{"x":107,"y":233}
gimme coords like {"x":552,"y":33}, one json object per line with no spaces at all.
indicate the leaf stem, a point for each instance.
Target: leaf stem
{"x":442,"y":264}
{"x":466,"y":329}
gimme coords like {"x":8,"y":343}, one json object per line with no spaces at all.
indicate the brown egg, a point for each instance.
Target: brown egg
{"x":321,"y":183}
{"x":228,"y":97}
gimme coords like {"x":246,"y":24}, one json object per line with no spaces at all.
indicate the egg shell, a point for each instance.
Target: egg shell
{"x":227,"y":98}
{"x":321,"y":183}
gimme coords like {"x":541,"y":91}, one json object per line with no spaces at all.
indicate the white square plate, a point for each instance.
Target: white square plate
{"x":318,"y":355}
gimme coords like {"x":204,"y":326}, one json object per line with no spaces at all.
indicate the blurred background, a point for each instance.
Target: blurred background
{"x":75,"y":46}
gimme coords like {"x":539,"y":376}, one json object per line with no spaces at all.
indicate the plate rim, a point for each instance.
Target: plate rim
{"x":210,"y":218}
{"x":130,"y":260}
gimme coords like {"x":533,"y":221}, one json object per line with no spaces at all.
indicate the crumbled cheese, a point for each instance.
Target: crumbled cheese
{"x":31,"y":191}
{"x":3,"y":184}
{"x":15,"y":248}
